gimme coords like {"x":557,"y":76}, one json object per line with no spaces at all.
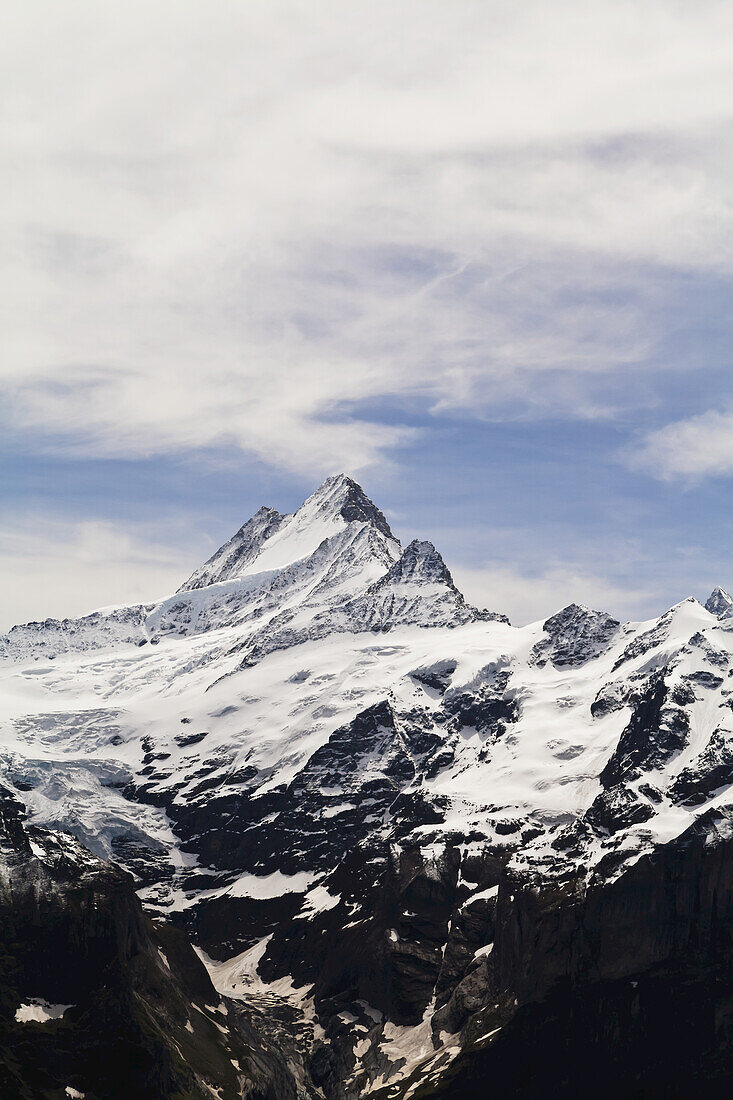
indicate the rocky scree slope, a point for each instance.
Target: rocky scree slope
{"x":346,"y":784}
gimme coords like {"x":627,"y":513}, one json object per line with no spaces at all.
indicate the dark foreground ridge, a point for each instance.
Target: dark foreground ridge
{"x":623,"y":989}
{"x":137,"y":1013}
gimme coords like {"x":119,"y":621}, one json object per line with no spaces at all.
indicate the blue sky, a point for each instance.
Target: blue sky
{"x":477,"y":256}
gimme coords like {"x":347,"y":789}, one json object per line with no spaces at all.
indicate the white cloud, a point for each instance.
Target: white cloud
{"x":52,"y":568}
{"x":700,"y":446}
{"x":232,"y":227}
{"x":530,"y":596}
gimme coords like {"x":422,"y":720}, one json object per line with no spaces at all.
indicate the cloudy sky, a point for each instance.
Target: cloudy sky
{"x":476,"y":254}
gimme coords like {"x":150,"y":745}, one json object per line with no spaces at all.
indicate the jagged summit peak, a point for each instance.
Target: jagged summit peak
{"x":341,"y":495}
{"x":334,"y":482}
{"x":271,"y":541}
{"x":264,"y":513}
{"x":574,"y":635}
{"x":421,"y":562}
{"x":719,"y":602}
{"x":571,"y":610}
{"x":574,"y":612}
{"x":416,"y":590}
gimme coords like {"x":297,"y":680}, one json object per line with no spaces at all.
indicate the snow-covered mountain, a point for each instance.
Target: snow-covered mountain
{"x":345,"y":782}
{"x":333,"y":566}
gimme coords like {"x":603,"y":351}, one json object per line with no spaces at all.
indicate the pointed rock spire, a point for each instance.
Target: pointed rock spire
{"x":341,"y":495}
{"x":719,"y":602}
{"x":417,"y":590}
{"x":574,"y":636}
{"x":420,"y":563}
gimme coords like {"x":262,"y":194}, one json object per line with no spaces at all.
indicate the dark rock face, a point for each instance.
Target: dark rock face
{"x":622,"y":989}
{"x":489,"y":704}
{"x":712,"y":769}
{"x":437,"y":676}
{"x":614,"y":696}
{"x":655,"y":1036}
{"x":358,"y":507}
{"x":575,"y":636}
{"x":712,"y":654}
{"x":383,"y":942}
{"x":657,"y":729}
{"x":617,"y":808}
{"x":472,"y":928}
{"x":719,"y":603}
{"x":704,"y":679}
{"x":140,"y":1016}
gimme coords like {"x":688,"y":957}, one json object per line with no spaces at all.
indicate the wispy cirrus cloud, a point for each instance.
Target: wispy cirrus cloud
{"x":243,"y":230}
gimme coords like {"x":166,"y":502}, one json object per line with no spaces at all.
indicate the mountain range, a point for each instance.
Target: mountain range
{"x":315,"y":826}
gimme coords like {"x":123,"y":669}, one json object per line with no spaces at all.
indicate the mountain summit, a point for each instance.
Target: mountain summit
{"x":342,"y":495}
{"x":270,"y":540}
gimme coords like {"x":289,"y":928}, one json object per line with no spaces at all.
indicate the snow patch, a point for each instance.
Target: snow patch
{"x":38,"y":1011}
